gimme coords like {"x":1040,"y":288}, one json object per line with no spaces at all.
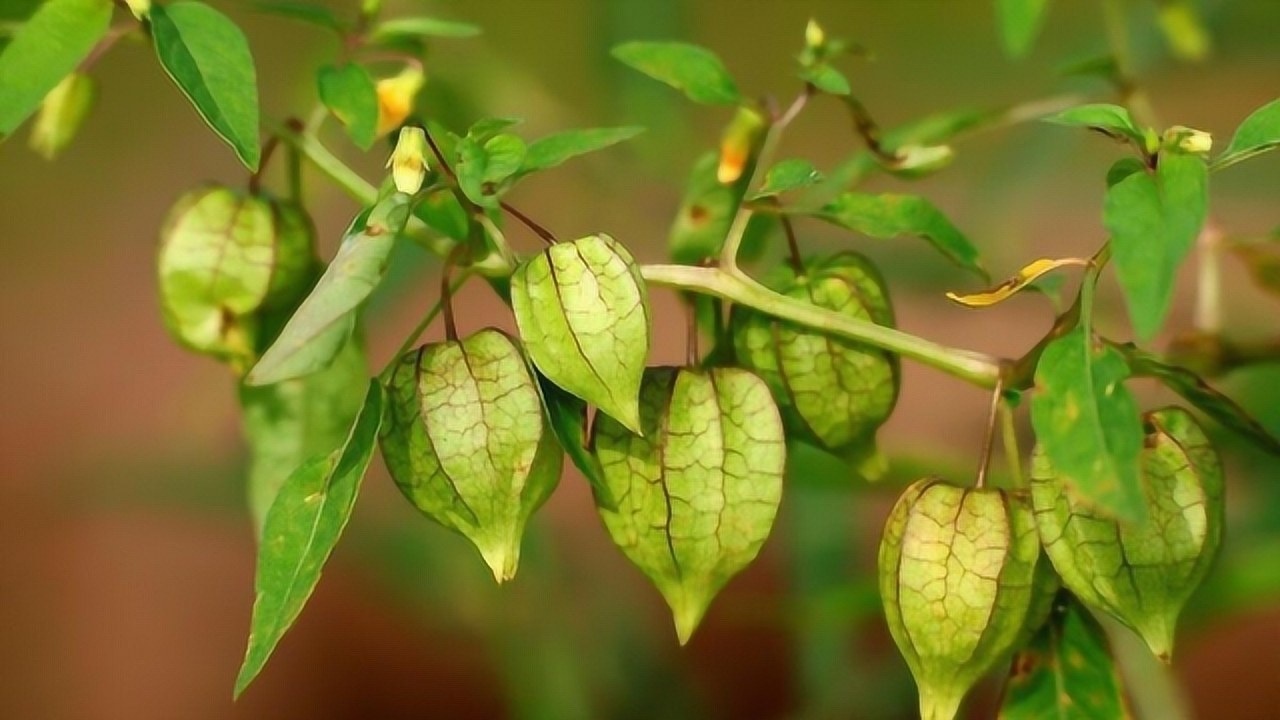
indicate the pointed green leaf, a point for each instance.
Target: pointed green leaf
{"x":44,"y":50}
{"x":889,"y":216}
{"x":316,"y":332}
{"x":1199,"y":393}
{"x":351,"y":96}
{"x":485,"y":128}
{"x":481,"y":168}
{"x":1154,"y":220}
{"x":554,"y":150}
{"x":698,"y":493}
{"x":1020,"y":22}
{"x":583,"y":313}
{"x":301,"y":530}
{"x":956,"y":568}
{"x":1112,"y":119}
{"x":1066,"y":672}
{"x":468,"y":443}
{"x":1258,"y":133}
{"x":1140,"y":571}
{"x":787,"y":175}
{"x":303,"y":11}
{"x":568,"y":416}
{"x":826,"y":78}
{"x":693,"y":70}
{"x":208,"y":58}
{"x":422,"y":27}
{"x":290,"y":422}
{"x":1087,"y":421}
{"x":61,"y":114}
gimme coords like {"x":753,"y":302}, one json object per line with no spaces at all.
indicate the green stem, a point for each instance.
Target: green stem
{"x":1009,"y":441}
{"x":733,"y":285}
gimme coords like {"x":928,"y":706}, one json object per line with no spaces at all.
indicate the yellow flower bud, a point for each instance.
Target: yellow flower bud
{"x":395,"y":98}
{"x":61,"y":113}
{"x":740,"y":142}
{"x":814,"y":35}
{"x":408,"y":162}
{"x":141,"y":9}
{"x":1189,"y":140}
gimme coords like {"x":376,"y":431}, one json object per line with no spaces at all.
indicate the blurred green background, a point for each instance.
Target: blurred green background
{"x":126,"y":557}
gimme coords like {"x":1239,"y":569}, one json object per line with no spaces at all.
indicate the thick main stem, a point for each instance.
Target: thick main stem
{"x":735,"y":286}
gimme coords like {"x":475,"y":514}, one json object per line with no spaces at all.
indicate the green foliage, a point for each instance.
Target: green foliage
{"x":1106,"y":118}
{"x":208,"y":58}
{"x":483,"y":166}
{"x":304,"y":523}
{"x":1154,"y":219}
{"x":61,"y":114}
{"x":583,"y":313}
{"x":324,"y":321}
{"x":554,"y":150}
{"x":1020,"y":23}
{"x":44,"y":50}
{"x":302,"y":11}
{"x":1066,"y":672}
{"x":350,"y":95}
{"x":1258,"y":133}
{"x":423,"y":27}
{"x":788,"y":175}
{"x":1087,"y":421}
{"x":890,"y":216}
{"x":697,"y":482}
{"x":693,"y":70}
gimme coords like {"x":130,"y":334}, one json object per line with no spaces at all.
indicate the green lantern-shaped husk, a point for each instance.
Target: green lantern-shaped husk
{"x":467,"y":441}
{"x":1140,"y":572}
{"x":583,"y":315}
{"x":226,"y":255}
{"x":697,"y":494}
{"x":957,"y":576}
{"x":831,"y":391}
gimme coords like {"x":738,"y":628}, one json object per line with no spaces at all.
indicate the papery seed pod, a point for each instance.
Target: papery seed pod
{"x":831,"y":391}
{"x":468,"y":443}
{"x":61,"y":114}
{"x":1140,"y":572}
{"x":957,"y":568}
{"x":697,"y":495}
{"x":583,"y":314}
{"x":224,"y":256}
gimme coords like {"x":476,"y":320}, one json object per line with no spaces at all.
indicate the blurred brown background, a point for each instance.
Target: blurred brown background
{"x":126,"y":558}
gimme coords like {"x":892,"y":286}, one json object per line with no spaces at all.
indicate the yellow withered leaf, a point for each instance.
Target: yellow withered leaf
{"x":1027,"y":275}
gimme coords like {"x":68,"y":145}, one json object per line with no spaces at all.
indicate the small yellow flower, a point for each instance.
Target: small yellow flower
{"x":738,"y":144}
{"x":395,"y":98}
{"x":814,"y":35}
{"x":1189,"y":140}
{"x":408,"y":162}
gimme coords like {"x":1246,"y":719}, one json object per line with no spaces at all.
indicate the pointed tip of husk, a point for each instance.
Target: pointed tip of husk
{"x":503,"y":561}
{"x":939,"y":705}
{"x":1158,"y":633}
{"x":687,"y":615}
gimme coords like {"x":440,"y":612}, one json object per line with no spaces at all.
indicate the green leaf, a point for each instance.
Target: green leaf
{"x":44,"y":50}
{"x":890,"y":216}
{"x":583,"y":313}
{"x":694,"y":70}
{"x":300,"y":532}
{"x":1087,"y":421}
{"x":208,"y":58}
{"x":705,"y":213}
{"x":1154,"y":221}
{"x":826,"y":78}
{"x":351,"y":96}
{"x":787,"y":175}
{"x":303,"y":11}
{"x":423,"y":27}
{"x":1142,"y":571}
{"x":553,"y":150}
{"x":1196,"y":391}
{"x":1020,"y":23}
{"x":1111,"y":119}
{"x":468,"y":443}
{"x":1066,"y":672}
{"x":1258,"y":133}
{"x":568,"y":416}
{"x":61,"y":114}
{"x":1184,"y":29}
{"x":485,"y":128}
{"x":316,"y":332}
{"x":482,"y":169}
{"x":698,"y":493}
{"x":1123,"y":168}
{"x":291,"y":422}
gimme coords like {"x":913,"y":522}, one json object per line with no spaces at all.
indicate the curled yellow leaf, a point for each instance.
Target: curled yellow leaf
{"x":1027,"y":275}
